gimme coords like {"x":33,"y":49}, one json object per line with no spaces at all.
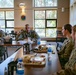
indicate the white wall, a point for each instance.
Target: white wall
{"x":29,"y":12}
{"x":63,"y":17}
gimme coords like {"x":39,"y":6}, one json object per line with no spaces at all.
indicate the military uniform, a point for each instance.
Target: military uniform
{"x":24,"y":34}
{"x":70,"y":66}
{"x":65,"y":51}
{"x":2,"y":33}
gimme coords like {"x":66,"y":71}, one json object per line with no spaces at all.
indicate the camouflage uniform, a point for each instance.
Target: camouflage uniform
{"x":2,"y":33}
{"x":65,"y":51}
{"x":25,"y":34}
{"x":70,"y":66}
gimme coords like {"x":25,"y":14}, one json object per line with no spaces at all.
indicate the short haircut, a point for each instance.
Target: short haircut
{"x":74,"y":28}
{"x":27,"y":25}
{"x":68,"y":27}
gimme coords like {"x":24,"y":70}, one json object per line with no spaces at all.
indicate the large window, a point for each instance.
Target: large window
{"x":7,"y":15}
{"x":6,"y":3}
{"x":45,"y":3}
{"x":7,"y":20}
{"x":45,"y":19}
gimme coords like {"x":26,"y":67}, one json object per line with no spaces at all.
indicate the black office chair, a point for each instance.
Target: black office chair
{"x":60,"y":38}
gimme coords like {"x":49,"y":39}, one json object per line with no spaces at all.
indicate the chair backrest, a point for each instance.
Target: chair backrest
{"x":8,"y":41}
{"x":59,"y":33}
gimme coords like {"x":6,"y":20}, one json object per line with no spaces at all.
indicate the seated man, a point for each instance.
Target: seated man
{"x":27,"y":33}
{"x":70,"y":66}
{"x":67,"y":46}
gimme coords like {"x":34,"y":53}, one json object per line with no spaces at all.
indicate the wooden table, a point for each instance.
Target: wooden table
{"x":14,"y":43}
{"x":50,"y":67}
{"x":13,"y":56}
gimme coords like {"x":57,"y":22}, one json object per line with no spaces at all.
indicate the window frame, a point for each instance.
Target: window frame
{"x":6,"y":27}
{"x":51,"y":20}
{"x":45,"y":6}
{"x":7,"y":7}
{"x":6,"y":23}
{"x":45,"y":21}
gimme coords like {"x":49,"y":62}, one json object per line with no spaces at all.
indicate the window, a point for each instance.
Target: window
{"x":6,"y":3}
{"x":45,"y":19}
{"x":45,"y":23}
{"x":7,"y":15}
{"x":7,"y":20}
{"x":45,"y":3}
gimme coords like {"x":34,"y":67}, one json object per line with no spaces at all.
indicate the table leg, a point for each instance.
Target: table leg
{"x":6,"y":51}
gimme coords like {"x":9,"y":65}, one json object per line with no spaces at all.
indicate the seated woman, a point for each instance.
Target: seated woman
{"x":67,"y":46}
{"x":70,"y":66}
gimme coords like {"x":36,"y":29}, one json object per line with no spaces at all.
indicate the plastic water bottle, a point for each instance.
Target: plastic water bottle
{"x":38,"y":41}
{"x":49,"y":59}
{"x":49,"y":51}
{"x":20,"y":68}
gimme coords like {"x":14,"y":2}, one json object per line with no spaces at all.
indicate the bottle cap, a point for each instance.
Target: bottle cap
{"x":20,"y":60}
{"x":49,"y":49}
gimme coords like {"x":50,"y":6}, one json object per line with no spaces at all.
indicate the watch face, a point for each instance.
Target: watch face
{"x":23,"y":17}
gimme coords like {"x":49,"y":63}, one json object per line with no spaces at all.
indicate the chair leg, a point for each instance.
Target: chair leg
{"x":1,"y":59}
{"x":6,"y":51}
{"x":4,"y":57}
{"x":57,"y":46}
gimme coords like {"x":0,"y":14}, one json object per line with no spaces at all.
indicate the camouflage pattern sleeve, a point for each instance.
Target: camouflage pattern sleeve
{"x":63,"y":47}
{"x":70,"y":66}
{"x":36,"y":36}
{"x":72,"y":61}
{"x":68,"y":49}
{"x":2,"y":33}
{"x":19,"y":37}
{"x":65,"y":72}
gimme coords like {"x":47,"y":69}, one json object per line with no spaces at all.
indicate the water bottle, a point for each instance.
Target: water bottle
{"x":49,"y":64}
{"x":49,"y":51}
{"x":49,"y":58}
{"x":20,"y":68}
{"x":38,"y":41}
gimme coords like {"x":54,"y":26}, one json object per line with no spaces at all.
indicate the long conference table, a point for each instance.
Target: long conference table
{"x":16,"y":43}
{"x":46,"y":70}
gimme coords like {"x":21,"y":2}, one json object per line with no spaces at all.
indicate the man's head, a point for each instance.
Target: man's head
{"x":27,"y":27}
{"x":74,"y":32}
{"x":66,"y":29}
